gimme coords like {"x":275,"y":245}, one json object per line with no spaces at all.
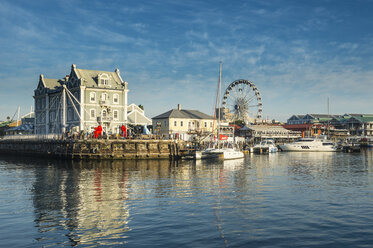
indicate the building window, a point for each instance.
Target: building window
{"x":205,"y":123}
{"x":70,"y":115}
{"x":165,"y":123}
{"x":51,"y":117}
{"x":175,"y":123}
{"x":115,"y":114}
{"x":76,"y":95}
{"x":104,"y":97}
{"x":181,"y":123}
{"x":103,"y":113}
{"x":93,"y":113}
{"x":104,"y":79}
{"x":76,"y":117}
{"x":210,"y":124}
{"x":92,"y":96}
{"x":115,"y":98}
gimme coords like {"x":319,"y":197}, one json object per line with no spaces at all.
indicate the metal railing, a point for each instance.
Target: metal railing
{"x":32,"y":137}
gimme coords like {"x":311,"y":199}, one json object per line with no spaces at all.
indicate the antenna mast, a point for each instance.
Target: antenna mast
{"x":219,"y":96}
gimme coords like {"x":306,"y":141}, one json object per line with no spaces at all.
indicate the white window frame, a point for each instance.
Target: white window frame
{"x":115,"y":99}
{"x":104,"y":96}
{"x":117,"y":113}
{"x":104,"y":80}
{"x":102,"y":113}
{"x":90,"y":114}
{"x":92,"y":95}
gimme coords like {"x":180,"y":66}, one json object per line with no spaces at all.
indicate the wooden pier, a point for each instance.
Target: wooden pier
{"x":94,"y":148}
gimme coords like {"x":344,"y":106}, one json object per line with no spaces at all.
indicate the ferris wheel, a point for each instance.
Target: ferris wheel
{"x":243,"y":101}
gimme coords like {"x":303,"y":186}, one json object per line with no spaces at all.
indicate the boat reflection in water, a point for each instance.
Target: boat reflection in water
{"x":239,"y":203}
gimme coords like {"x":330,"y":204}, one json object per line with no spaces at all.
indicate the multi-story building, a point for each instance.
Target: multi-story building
{"x":183,"y":124}
{"x":81,"y":101}
{"x":311,"y":118}
{"x":360,"y":124}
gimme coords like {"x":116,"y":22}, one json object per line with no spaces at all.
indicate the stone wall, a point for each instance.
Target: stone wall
{"x":94,"y":149}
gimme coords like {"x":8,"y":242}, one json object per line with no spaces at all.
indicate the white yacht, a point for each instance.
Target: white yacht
{"x":225,"y":152}
{"x":309,"y":145}
{"x":228,"y":152}
{"x":265,"y":146}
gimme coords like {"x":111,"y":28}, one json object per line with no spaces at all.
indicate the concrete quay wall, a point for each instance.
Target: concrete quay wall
{"x":93,"y":149}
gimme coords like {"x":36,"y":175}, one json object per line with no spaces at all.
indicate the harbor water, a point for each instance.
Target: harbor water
{"x":276,"y":200}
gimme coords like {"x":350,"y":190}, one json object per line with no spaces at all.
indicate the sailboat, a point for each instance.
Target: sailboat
{"x":226,"y":152}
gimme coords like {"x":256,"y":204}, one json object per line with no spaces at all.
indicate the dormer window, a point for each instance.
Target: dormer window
{"x":104,"y":80}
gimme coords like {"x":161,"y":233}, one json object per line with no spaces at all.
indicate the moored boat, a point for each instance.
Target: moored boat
{"x":310,"y":145}
{"x":265,"y":146}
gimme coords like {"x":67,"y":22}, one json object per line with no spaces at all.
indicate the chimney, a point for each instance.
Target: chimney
{"x":179,"y":107}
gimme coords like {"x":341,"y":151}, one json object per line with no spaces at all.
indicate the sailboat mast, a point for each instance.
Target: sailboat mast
{"x":328,"y":118}
{"x":219,"y":96}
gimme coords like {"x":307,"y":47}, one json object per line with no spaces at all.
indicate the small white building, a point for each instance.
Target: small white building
{"x":136,"y":116}
{"x":183,"y":124}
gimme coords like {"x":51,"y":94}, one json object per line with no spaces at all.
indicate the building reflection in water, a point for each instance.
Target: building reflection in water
{"x":86,"y":202}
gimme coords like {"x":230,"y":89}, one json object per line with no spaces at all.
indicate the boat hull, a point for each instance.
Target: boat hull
{"x":299,"y":148}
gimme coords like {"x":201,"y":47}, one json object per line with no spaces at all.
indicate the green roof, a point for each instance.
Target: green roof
{"x":5,"y":123}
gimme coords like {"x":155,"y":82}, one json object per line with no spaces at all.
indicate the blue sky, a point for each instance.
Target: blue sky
{"x":298,"y":53}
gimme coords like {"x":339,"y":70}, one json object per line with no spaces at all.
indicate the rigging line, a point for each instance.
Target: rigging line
{"x":14,"y":115}
{"x":77,"y":100}
{"x":57,"y":114}
{"x":72,"y":103}
{"x":49,"y":108}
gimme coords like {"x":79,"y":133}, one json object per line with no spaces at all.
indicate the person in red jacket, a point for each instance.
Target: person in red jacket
{"x":124,"y":131}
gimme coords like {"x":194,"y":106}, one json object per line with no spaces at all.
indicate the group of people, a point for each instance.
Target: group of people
{"x":98,"y":132}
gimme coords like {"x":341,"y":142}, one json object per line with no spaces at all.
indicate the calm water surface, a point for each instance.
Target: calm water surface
{"x":280,"y":200}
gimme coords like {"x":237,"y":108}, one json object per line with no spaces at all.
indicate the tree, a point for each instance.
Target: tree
{"x":142,"y":107}
{"x":8,"y":118}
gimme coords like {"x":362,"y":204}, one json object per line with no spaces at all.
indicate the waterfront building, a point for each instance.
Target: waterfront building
{"x":22,"y":127}
{"x":136,"y":116}
{"x":255,"y":133}
{"x":81,"y":101}
{"x":183,"y":124}
{"x":309,"y":129}
{"x":311,"y":118}
{"x":360,"y":124}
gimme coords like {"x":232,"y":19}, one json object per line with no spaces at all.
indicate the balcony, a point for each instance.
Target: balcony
{"x":103,"y":102}
{"x":104,"y":119}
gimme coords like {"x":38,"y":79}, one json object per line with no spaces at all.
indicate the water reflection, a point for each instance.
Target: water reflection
{"x":85,"y":202}
{"x":249,"y":202}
